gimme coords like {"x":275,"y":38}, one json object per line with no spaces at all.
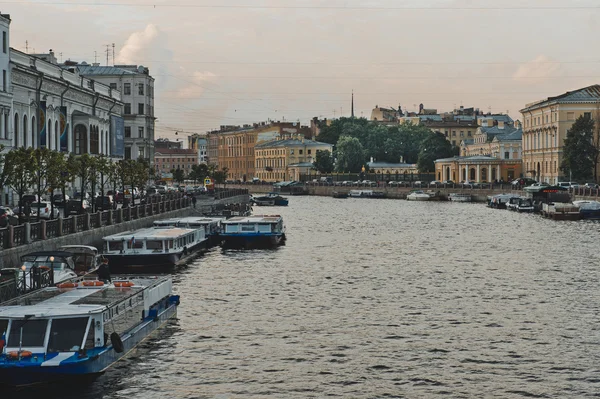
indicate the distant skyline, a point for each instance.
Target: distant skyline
{"x":234,"y":62}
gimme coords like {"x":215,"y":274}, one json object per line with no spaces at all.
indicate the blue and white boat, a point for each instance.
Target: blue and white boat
{"x":79,"y":328}
{"x":210,"y":225}
{"x":588,"y":209}
{"x":152,"y":250}
{"x":259,"y":231}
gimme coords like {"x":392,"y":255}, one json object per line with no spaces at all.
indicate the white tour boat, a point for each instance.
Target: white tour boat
{"x":259,"y":231}
{"x":418,"y":195}
{"x":152,"y":249}
{"x":211,"y":226}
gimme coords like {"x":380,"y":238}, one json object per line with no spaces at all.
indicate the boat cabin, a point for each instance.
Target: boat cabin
{"x":85,"y":258}
{"x":258,"y":224}
{"x":152,"y":240}
{"x":55,"y":260}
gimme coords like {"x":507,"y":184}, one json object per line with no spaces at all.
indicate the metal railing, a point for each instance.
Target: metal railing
{"x":19,"y":235}
{"x":35,"y":232}
{"x":67,"y":227}
{"x":52,"y":228}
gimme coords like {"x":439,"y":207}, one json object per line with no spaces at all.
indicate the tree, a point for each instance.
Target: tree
{"x":104,"y":167}
{"x":596,"y":140}
{"x":350,"y":155}
{"x":20,"y":172}
{"x":2,"y":175}
{"x":140,"y":175}
{"x":220,"y":176}
{"x":323,"y":161}
{"x":84,"y":168}
{"x":57,"y":165}
{"x":178,"y":175}
{"x":42,"y":158}
{"x":579,"y":151}
{"x":433,"y":147}
{"x":199,"y":172}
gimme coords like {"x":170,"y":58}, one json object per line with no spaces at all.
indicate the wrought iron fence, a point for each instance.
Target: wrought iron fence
{"x":4,"y":235}
{"x":19,"y":235}
{"x":52,"y":228}
{"x":67,"y":227}
{"x":80,"y":222}
{"x":35,"y":232}
{"x":104,"y":217}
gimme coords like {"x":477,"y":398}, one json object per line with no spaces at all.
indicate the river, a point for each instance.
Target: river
{"x":381,"y":299}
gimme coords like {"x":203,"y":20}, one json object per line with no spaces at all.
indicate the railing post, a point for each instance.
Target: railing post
{"x":27,"y":233}
{"x":74,"y":224}
{"x":11,"y":236}
{"x":86,"y":221}
{"x":43,"y":234}
{"x":109,"y":217}
{"x":99,"y":218}
{"x":120,"y":215}
{"x":150,"y":209}
{"x":137,"y":212}
{"x":59,"y":227}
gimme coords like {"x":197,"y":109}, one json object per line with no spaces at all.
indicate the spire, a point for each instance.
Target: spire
{"x":352,"y":113}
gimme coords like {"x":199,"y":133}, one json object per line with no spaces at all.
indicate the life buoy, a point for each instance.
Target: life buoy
{"x":122,"y":284}
{"x":93,"y":283}
{"x":15,"y":354}
{"x":67,"y":285}
{"x":117,"y":343}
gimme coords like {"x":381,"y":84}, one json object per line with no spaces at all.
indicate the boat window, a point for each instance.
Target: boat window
{"x":264,"y":228}
{"x":154,"y":245}
{"x":137,"y":244}
{"x":231,"y":228}
{"x":34,"y":332}
{"x":115,"y":245}
{"x":170,"y":242}
{"x":3,"y":326}
{"x":67,"y":334}
{"x":247,"y":227}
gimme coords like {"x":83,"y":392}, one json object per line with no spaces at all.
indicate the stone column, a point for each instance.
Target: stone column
{"x":74,"y":224}
{"x":28,"y":233}
{"x":43,"y":234}
{"x":11,"y":236}
{"x":478,"y":175}
{"x":490,"y":173}
{"x":119,"y":215}
{"x":109,"y":219}
{"x":59,"y":227}
{"x":86,"y":221}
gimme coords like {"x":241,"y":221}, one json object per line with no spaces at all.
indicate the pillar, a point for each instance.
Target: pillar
{"x":489,"y":171}
{"x":28,"y":233}
{"x":478,"y":175}
{"x":43,"y":234}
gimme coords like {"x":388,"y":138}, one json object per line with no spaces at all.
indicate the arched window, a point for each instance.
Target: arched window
{"x":472,"y":174}
{"x":33,"y":132}
{"x":57,"y":134}
{"x":80,"y":139}
{"x":16,"y":127}
{"x":484,"y":174}
{"x":49,"y":140}
{"x":94,"y":140}
{"x":25,"y":131}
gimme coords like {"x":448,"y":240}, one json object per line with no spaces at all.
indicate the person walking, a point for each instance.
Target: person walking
{"x":194,"y":201}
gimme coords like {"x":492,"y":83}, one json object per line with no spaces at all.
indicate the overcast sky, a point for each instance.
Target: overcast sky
{"x":229,"y":62}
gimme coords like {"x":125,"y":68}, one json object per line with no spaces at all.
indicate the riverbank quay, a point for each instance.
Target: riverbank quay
{"x":89,"y":228}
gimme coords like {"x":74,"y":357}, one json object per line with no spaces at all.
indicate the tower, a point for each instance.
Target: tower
{"x":352,"y":112}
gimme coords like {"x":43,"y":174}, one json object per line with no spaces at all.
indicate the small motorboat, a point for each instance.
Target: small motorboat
{"x":418,"y":195}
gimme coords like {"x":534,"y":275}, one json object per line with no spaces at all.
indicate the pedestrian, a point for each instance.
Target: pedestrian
{"x":194,"y":201}
{"x":104,"y":271}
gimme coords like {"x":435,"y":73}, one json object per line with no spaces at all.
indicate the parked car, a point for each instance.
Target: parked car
{"x":435,"y":183}
{"x":418,"y":183}
{"x":540,"y":184}
{"x":21,"y":211}
{"x":448,"y":182}
{"x":30,"y":198}
{"x":593,"y":186}
{"x":59,"y":200}
{"x":74,"y":207}
{"x":45,"y":210}
{"x":523,"y":181}
{"x":7,"y":217}
{"x":105,"y":203}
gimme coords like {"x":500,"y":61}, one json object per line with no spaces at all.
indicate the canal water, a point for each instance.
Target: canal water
{"x":382,"y":299}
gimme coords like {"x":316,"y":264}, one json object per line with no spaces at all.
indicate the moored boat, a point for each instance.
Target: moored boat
{"x":210,"y":225}
{"x":418,"y":195}
{"x":271,"y":199}
{"x":153,"y":249}
{"x":561,"y":211}
{"x":525,"y":205}
{"x":85,"y":257}
{"x":259,"y":231}
{"x":460,"y":197}
{"x":588,"y":209}
{"x":499,"y":201}
{"x":339,"y":194}
{"x":50,"y":266}
{"x":79,"y":328}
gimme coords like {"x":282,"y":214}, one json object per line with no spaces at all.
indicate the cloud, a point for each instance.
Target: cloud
{"x":539,"y":70}
{"x":151,"y":48}
{"x":195,"y":85}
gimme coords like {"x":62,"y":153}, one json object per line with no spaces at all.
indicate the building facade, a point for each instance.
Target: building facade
{"x":478,"y":168}
{"x":545,"y":126}
{"x":199,"y":142}
{"x":137,"y":89}
{"x":169,"y":159}
{"x":166,"y":143}
{"x":497,"y":141}
{"x":6,"y":97}
{"x":286,"y":157}
{"x":235,"y":146}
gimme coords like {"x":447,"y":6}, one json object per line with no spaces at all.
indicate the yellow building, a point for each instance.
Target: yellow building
{"x":386,"y":168}
{"x":545,"y":125}
{"x":380,"y":114}
{"x":497,"y":141}
{"x":478,"y":168}
{"x":287,"y":157}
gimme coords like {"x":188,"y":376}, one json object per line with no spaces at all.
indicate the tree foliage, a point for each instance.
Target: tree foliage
{"x":350,"y":155}
{"x":178,"y":175}
{"x":199,"y":172}
{"x":434,"y":146}
{"x":220,"y":176}
{"x":579,"y":152}
{"x":20,"y":170}
{"x":323,"y":161}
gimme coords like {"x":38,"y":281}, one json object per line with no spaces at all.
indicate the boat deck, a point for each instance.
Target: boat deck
{"x":253,"y":219}
{"x":156,"y":233}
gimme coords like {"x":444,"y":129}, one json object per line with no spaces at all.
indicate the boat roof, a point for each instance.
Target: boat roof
{"x":150,"y":233}
{"x":59,"y":254}
{"x":56,"y":302}
{"x":254,"y":219}
{"x":81,"y":248}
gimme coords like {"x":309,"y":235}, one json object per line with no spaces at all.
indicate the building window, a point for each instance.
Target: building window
{"x":141,"y":152}
{"x":299,"y":152}
{"x":453,"y":142}
{"x":462,"y":133}
{"x":309,"y":152}
{"x":4,"y":80}
{"x":141,"y":89}
{"x":469,"y":134}
{"x":94,"y":140}
{"x":80,"y":134}
{"x":453,"y":134}
{"x":587,"y":115}
{"x":113,"y":86}
{"x":141,"y":132}
{"x":4,"y":42}
{"x":140,"y":109}
{"x":127,"y":110}
{"x":291,"y":152}
{"x":127,"y":152}
{"x":127,"y":131}
{"x":127,"y":88}
{"x":506,"y":155}
{"x":546,"y":118}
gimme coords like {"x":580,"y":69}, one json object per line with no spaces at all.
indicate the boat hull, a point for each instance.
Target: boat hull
{"x":24,"y":375}
{"x":252,"y":241}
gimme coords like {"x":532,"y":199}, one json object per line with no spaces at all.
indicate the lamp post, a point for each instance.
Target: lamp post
{"x":24,"y":268}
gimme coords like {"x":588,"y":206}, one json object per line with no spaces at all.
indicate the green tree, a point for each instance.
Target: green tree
{"x":220,"y":176}
{"x":579,"y":152}
{"x":42,"y":157}
{"x":140,"y":175}
{"x":84,"y":168}
{"x":2,"y":174}
{"x":20,"y":172}
{"x":178,"y":175}
{"x":323,"y":161}
{"x":433,"y":147}
{"x":199,"y":172}
{"x":104,"y":167}
{"x":57,"y":165}
{"x":350,"y":155}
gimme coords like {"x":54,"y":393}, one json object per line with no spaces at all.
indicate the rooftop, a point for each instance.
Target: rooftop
{"x":175,"y":151}
{"x":590,"y":94}
{"x":293,"y":142}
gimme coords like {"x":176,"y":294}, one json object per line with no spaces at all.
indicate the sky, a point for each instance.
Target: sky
{"x":231,"y":62}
